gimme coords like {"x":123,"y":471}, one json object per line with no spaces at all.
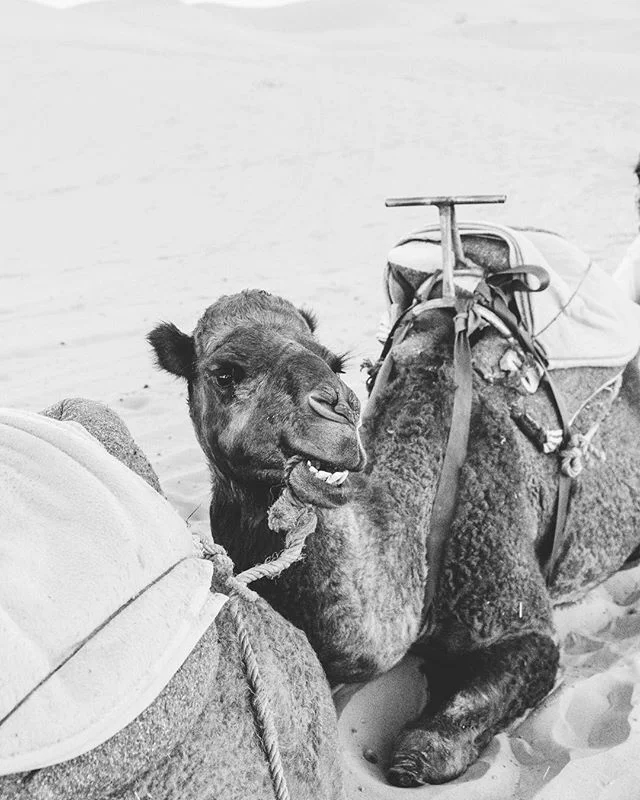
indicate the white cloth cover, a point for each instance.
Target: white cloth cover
{"x":628,"y":273}
{"x":584,"y":317}
{"x":81,"y":535}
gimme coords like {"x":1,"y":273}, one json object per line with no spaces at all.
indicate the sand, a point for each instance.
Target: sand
{"x":155,"y":155}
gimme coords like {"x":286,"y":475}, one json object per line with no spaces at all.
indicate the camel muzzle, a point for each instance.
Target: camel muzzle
{"x":334,"y":409}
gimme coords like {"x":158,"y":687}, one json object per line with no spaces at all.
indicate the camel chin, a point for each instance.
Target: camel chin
{"x":317,"y":483}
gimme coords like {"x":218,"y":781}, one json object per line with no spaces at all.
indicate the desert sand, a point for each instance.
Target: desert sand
{"x":155,"y":155}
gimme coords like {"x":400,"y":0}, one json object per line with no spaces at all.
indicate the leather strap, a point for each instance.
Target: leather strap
{"x":560,"y":527}
{"x":559,"y":535}
{"x":444,"y":504}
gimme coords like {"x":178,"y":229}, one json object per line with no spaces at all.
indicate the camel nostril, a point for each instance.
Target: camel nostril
{"x":333,"y":409}
{"x":353,"y":402}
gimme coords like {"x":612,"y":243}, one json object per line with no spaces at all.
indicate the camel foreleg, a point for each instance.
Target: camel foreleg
{"x":472,"y":699}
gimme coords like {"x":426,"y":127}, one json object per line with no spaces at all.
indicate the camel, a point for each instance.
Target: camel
{"x":198,"y":739}
{"x":269,"y":409}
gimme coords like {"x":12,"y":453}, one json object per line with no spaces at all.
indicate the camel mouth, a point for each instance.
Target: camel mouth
{"x":319,"y":483}
{"x":322,"y":471}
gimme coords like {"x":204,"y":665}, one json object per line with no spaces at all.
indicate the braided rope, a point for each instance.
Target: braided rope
{"x":297,"y":521}
{"x":261,"y":706}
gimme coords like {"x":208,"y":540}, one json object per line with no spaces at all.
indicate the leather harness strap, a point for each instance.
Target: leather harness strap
{"x":501,"y":309}
{"x":444,"y":504}
{"x":490,"y":293}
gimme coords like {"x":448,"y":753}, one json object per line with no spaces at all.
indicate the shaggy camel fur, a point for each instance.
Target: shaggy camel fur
{"x":253,"y":367}
{"x":198,"y":740}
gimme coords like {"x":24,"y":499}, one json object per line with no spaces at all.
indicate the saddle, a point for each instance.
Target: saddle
{"x":103,"y":594}
{"x":583,"y":318}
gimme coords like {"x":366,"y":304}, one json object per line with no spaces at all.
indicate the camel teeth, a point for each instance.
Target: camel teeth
{"x":338,"y":478}
{"x":333,"y":478}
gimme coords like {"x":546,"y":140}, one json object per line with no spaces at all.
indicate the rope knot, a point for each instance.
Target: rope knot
{"x":572,"y":457}
{"x":287,"y":515}
{"x":461,"y":320}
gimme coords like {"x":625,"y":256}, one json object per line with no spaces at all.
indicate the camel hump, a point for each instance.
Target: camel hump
{"x":584,"y":318}
{"x":102,"y":594}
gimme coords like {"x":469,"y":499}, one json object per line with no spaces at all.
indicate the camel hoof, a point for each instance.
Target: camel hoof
{"x":430,"y":757}
{"x":404,"y":774}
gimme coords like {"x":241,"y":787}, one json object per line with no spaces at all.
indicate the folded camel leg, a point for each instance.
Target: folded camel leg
{"x":107,"y":427}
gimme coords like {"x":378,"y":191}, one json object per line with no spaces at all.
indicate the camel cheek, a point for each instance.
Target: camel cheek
{"x":234,"y":433}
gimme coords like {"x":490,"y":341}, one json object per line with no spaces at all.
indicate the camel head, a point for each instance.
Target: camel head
{"x":262,"y":389}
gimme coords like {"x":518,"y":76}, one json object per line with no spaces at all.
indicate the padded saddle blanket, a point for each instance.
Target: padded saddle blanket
{"x":100,"y":585}
{"x":583,"y":318}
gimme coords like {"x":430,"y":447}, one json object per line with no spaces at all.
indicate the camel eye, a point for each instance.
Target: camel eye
{"x":227,"y":375}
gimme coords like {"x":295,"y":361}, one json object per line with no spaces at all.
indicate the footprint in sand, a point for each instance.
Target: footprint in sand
{"x":596,"y":714}
{"x":578,"y":644}
{"x":626,"y":626}
{"x":592,"y":716}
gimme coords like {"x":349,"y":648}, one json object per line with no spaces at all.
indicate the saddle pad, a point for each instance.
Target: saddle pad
{"x":81,"y":537}
{"x":584,"y":317}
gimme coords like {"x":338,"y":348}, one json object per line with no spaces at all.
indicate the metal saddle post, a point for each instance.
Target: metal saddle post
{"x":452,"y":253}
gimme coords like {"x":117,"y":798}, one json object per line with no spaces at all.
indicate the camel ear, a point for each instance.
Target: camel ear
{"x":174,"y":350}
{"x":403,"y":283}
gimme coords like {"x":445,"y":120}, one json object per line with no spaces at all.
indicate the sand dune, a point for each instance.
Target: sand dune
{"x":156,"y":155}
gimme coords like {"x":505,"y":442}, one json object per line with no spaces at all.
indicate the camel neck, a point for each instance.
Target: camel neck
{"x":238,"y":517}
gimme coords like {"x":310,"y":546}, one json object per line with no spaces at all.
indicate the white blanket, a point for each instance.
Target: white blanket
{"x":628,"y":273}
{"x":80,"y":536}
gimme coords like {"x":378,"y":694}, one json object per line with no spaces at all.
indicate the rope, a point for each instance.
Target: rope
{"x":579,"y":450}
{"x":297,"y":521}
{"x":613,"y":385}
{"x":261,"y":705}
